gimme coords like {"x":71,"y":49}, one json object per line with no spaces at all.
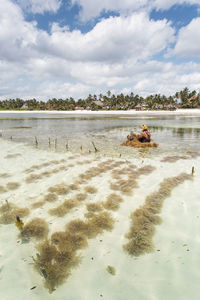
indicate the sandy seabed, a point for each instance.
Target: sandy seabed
{"x":166,"y":269}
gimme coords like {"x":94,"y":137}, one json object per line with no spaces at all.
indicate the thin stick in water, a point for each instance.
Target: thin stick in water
{"x":36,"y":141}
{"x":95,"y":149}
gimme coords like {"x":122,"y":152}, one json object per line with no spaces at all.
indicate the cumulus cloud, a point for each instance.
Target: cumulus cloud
{"x":111,"y":40}
{"x":166,"y":4}
{"x":187,"y":42}
{"x":40,"y":6}
{"x":118,"y":54}
{"x":91,"y":9}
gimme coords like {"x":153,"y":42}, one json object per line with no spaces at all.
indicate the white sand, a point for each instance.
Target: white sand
{"x":111,"y":112}
{"x":171,"y":273}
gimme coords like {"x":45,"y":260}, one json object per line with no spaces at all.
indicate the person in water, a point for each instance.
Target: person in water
{"x":144,"y":136}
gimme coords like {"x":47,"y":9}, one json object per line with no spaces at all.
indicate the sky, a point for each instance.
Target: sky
{"x":73,"y":48}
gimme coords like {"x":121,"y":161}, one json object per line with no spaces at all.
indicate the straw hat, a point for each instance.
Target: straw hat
{"x":144,"y":127}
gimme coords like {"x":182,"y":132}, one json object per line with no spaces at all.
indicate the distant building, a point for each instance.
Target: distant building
{"x":192,"y":98}
{"x":24,"y":106}
{"x":98,"y":103}
{"x":78,"y":107}
{"x":141,"y":107}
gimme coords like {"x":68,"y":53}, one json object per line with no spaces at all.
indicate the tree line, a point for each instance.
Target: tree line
{"x":183,"y":99}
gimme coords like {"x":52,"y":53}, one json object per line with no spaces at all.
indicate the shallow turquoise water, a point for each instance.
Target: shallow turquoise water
{"x":171,"y":271}
{"x":173,"y":133}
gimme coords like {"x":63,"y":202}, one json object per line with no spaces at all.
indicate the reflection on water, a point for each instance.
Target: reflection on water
{"x":173,"y":133}
{"x":86,"y":203}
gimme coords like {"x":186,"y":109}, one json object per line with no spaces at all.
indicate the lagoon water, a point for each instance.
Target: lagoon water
{"x":169,"y":270}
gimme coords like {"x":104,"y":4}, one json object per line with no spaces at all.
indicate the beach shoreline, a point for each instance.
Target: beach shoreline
{"x":108,"y":112}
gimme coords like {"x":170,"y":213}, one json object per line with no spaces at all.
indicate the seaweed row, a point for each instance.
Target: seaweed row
{"x":99,"y":170}
{"x":126,"y":186}
{"x":54,"y":162}
{"x":58,"y":255}
{"x":13,"y":155}
{"x":9,"y":211}
{"x":10,"y":186}
{"x":46,"y":164}
{"x":4,"y":175}
{"x":144,"y":219}
{"x":38,"y":176}
{"x":174,"y":158}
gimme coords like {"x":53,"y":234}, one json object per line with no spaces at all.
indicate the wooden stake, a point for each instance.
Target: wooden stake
{"x":193,"y":171}
{"x":67,"y":146}
{"x":95,"y":149}
{"x":36,"y":141}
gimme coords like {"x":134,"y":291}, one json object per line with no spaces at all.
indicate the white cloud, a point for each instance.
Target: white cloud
{"x":117,"y":54}
{"x":93,"y":8}
{"x":17,"y":37}
{"x":40,"y":6}
{"x":166,"y":4}
{"x":111,"y":40}
{"x":187,"y":42}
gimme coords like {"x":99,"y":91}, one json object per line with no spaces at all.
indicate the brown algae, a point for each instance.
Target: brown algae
{"x":64,"y":208}
{"x":144,"y":219}
{"x":90,"y":189}
{"x":112,"y":202}
{"x":36,"y":228}
{"x":2,"y":189}
{"x":54,"y":265}
{"x":50,"y":197}
{"x":37,"y":204}
{"x":94,"y":207}
{"x":174,"y":158}
{"x":12,"y":185}
{"x":57,"y":256}
{"x":9,"y":216}
{"x":59,"y":189}
{"x":81,"y":196}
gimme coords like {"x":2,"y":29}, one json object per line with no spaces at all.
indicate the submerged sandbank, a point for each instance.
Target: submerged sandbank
{"x":109,"y":112}
{"x":72,"y":187}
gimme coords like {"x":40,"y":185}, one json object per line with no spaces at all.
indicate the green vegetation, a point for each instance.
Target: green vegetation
{"x":183,"y":99}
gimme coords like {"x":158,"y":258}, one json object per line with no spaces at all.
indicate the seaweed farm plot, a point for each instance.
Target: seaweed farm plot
{"x":65,"y":224}
{"x":144,"y":219}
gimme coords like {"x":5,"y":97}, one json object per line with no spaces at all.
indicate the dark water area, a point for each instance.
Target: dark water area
{"x":173,"y":133}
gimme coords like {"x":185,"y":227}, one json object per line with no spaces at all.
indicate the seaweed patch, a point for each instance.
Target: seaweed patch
{"x":57,"y":256}
{"x":112,"y":202}
{"x":94,"y":207}
{"x":36,"y":228}
{"x":9,"y":212}
{"x":12,"y":185}
{"x":174,"y":158}
{"x":144,"y":219}
{"x":90,"y":189}
{"x":59,"y":189}
{"x":50,"y":197}
{"x":64,"y":208}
